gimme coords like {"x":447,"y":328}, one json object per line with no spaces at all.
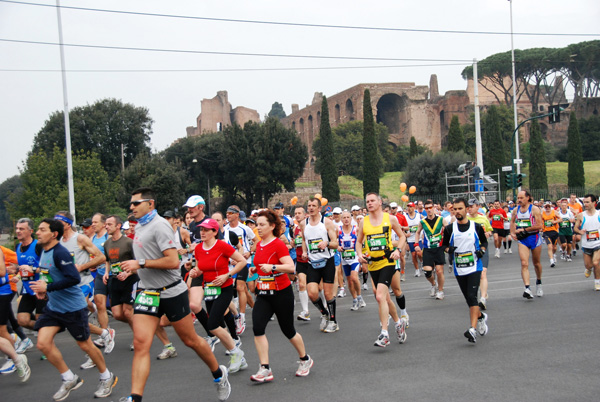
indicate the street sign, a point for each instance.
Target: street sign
{"x":507,"y":168}
{"x":518,"y":161}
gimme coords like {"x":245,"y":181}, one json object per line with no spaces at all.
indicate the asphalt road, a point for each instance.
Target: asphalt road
{"x":540,"y":350}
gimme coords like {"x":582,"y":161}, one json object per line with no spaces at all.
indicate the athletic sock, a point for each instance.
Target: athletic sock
{"x":401,"y":300}
{"x":243,"y":316}
{"x":365,"y":277}
{"x":509,"y":243}
{"x":216,"y":374}
{"x":265,"y":366}
{"x":538,"y":281}
{"x":305,"y":358}
{"x":504,"y":244}
{"x":385,"y":333}
{"x":136,"y":398}
{"x":322,"y":297}
{"x":105,"y":375}
{"x":331,"y":307}
{"x":168,"y":345}
{"x":67,"y":375}
{"x":303,"y":296}
{"x":527,"y":287}
{"x":320,"y":306}
{"x":230,"y":322}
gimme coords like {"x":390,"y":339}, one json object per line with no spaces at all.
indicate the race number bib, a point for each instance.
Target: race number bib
{"x":548,"y":223}
{"x":115,"y":269}
{"x":313,"y":245}
{"x":26,"y":275}
{"x":592,"y":235}
{"x":413,"y":229}
{"x":298,"y":241}
{"x":377,"y":242}
{"x":497,"y":218}
{"x":464,"y":260}
{"x":266,"y":286}
{"x":523,"y":223}
{"x":45,"y":276}
{"x":435,"y":240}
{"x":147,"y":301}
{"x":348,"y":254}
{"x":211,"y":292}
{"x":565,"y":223}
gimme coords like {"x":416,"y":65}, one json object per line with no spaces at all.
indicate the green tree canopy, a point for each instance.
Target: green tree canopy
{"x":277,"y":111}
{"x":576,"y":174}
{"x":371,"y":160}
{"x":456,"y":139}
{"x":325,"y":164}
{"x":426,"y":171}
{"x":538,"y":179}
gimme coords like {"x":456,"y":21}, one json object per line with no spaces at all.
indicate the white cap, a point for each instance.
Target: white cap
{"x":337,"y":210}
{"x":393,"y":205}
{"x":125,"y":225}
{"x":193,"y":201}
{"x":355,"y":208}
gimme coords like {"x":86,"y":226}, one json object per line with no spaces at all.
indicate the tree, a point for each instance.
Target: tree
{"x":426,"y":172}
{"x":371,"y":161}
{"x":456,"y":140}
{"x":12,"y":186}
{"x":576,"y":174}
{"x":101,"y":127}
{"x":538,"y":179}
{"x":277,"y":111}
{"x":494,"y":142}
{"x":325,"y":164}
{"x":414,"y":150}
{"x":589,"y":130}
{"x":45,"y":186}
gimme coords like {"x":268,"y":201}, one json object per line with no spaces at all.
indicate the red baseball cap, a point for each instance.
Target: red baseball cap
{"x":210,"y":224}
{"x":410,"y":204}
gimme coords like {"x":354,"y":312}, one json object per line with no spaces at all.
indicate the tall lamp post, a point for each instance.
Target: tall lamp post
{"x":195,"y":161}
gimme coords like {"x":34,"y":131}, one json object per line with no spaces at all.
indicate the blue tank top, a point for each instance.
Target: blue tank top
{"x":99,"y":242}
{"x":30,"y":258}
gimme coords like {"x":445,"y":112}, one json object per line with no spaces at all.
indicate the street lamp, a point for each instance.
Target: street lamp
{"x":207,"y":185}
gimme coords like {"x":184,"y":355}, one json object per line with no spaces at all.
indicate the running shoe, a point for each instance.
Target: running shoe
{"x":510,"y":251}
{"x":552,"y":263}
{"x":439,"y":295}
{"x":497,"y":253}
{"x":304,"y":367}
{"x":341,"y":292}
{"x":99,"y":342}
{"x":562,"y":256}
{"x":382,"y":341}
{"x":471,"y":335}
{"x":361,"y":303}
{"x":365,"y":287}
{"x":539,"y":292}
{"x":109,"y":341}
{"x":24,"y":346}
{"x":402,"y":278}
{"x":240,"y":325}
{"x":324,"y":321}
{"x":237,"y":362}
{"x":332,"y":326}
{"x":406,"y":318}
{"x":527,"y":294}
{"x":212,"y":341}
{"x":588,"y":273}
{"x":88,"y":364}
{"x":105,"y":387}
{"x":303,"y":316}
{"x":354,"y":305}
{"x":569,"y":259}
{"x":417,"y":273}
{"x":401,"y":331}
{"x":574,"y":253}
{"x":23,"y":370}
{"x":262,"y":375}
{"x":66,"y":387}
{"x":167,"y":353}
{"x":8,"y":367}
{"x":131,"y":347}
{"x":597,"y":286}
{"x":432,"y":291}
{"x":505,"y":251}
{"x":223,"y":386}
{"x":238,"y":344}
{"x":483,"y":303}
{"x":482,"y":327}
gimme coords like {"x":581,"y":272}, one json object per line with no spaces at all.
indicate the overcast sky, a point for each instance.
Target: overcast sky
{"x":173,"y":97}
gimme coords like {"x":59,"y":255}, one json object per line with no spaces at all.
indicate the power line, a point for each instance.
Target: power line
{"x":305,"y":25}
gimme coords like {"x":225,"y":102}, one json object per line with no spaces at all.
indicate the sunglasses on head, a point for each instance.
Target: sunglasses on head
{"x":138,"y":202}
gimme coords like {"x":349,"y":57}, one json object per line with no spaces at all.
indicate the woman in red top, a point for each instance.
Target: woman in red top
{"x":212,"y":256}
{"x":272,"y":262}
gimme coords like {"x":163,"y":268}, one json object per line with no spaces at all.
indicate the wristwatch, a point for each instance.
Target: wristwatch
{"x":142,"y":263}
{"x":273,"y":268}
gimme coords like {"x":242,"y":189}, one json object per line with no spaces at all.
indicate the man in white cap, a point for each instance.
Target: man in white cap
{"x":355,"y":210}
{"x":337,"y":220}
{"x":195,"y":206}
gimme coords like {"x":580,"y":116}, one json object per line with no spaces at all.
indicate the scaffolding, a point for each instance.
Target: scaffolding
{"x":485,"y":190}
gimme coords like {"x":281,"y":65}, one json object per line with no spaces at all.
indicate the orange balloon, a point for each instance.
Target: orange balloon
{"x":403,"y":187}
{"x":294,"y":201}
{"x":318,"y":195}
{"x":412,"y":190}
{"x":324,"y":201}
{"x":404,"y":198}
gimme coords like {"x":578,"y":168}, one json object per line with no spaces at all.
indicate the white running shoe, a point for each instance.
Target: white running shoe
{"x":539,"y":292}
{"x":106,"y":386}
{"x":401,"y":330}
{"x":439,"y":295}
{"x":382,"y":341}
{"x":303,"y":316}
{"x":341,"y":292}
{"x":237,"y":362}
{"x":528,"y":294}
{"x":262,"y":375}
{"x":212,"y":341}
{"x":552,"y":263}
{"x":402,"y":277}
{"x":332,"y":326}
{"x":354,"y":305}
{"x":167,"y":353}
{"x":23,"y":370}
{"x":24,"y":346}
{"x":406,"y":318}
{"x":361,"y":303}
{"x":304,"y":367}
{"x":471,"y":335}
{"x":66,"y":387}
{"x":417,"y":273}
{"x":324,"y":321}
{"x":497,"y":253}
{"x":88,"y":364}
{"x":482,"y":327}
{"x":505,"y":251}
{"x":365,"y":287}
{"x":109,"y":341}
{"x":238,"y":344}
{"x":223,"y":386}
{"x":432,"y":291}
{"x":510,"y":251}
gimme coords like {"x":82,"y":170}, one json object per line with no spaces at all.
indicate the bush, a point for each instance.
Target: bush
{"x":426,"y":171}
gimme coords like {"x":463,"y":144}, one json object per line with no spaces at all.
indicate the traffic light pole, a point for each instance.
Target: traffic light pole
{"x":512,"y":151}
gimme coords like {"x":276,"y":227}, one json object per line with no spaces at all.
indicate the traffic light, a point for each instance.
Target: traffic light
{"x":555,"y":114}
{"x":519,"y":180}
{"x":508,"y":180}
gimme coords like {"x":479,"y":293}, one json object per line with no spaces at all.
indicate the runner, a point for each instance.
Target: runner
{"x":320,"y":239}
{"x":498,"y":217}
{"x":66,"y":309}
{"x":337,"y":220}
{"x":466,"y":240}
{"x":576,"y":209}
{"x":301,"y":265}
{"x":401,"y":263}
{"x":525,"y":225}
{"x":508,"y":239}
{"x":432,"y":228}
{"x":347,"y":247}
{"x":413,"y":219}
{"x":478,"y":217}
{"x":587,"y":226}
{"x":565,"y":231}
{"x":162,"y":292}
{"x":100,"y":288}
{"x":375,"y":232}
{"x":550,"y":231}
{"x":275,"y":296}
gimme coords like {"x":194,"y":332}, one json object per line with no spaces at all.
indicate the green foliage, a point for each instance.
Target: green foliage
{"x":325,"y":164}
{"x":414,"y":150}
{"x":45,"y":190}
{"x":538,"y":179}
{"x":426,"y":171}
{"x":12,"y":186}
{"x":277,"y":111}
{"x":550,"y":152}
{"x":371,"y":160}
{"x":101,"y":127}
{"x":589,"y":130}
{"x":456,"y":140}
{"x":494,"y":142}
{"x":576,"y":174}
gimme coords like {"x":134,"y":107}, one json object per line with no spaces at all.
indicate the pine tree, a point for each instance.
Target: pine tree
{"x":494,"y":146}
{"x":576,"y":175}
{"x":537,"y":158}
{"x":414,"y":149}
{"x":456,"y":139}
{"x":327,"y":167}
{"x":371,"y":161}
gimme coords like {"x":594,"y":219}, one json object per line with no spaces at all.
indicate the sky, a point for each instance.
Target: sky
{"x":188,"y":64}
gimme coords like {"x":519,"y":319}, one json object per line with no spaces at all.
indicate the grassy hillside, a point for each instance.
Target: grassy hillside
{"x":557,"y":173}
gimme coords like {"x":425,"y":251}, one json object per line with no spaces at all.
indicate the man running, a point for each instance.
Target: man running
{"x":498,"y":216}
{"x":525,"y":225}
{"x":413,"y":219}
{"x":478,"y":217}
{"x":565,"y":229}
{"x":350,"y":265}
{"x":100,"y":288}
{"x":301,"y":264}
{"x":587,"y":226}
{"x":576,"y":209}
{"x":433,"y":255}
{"x":550,"y":231}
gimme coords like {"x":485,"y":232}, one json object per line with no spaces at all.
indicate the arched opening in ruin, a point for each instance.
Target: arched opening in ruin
{"x":301,"y":125}
{"x":391,"y":111}
{"x":311,"y":134}
{"x":336,"y":113}
{"x":349,"y":110}
{"x":294,"y":125}
{"x":318,"y":119}
{"x":443,"y":129}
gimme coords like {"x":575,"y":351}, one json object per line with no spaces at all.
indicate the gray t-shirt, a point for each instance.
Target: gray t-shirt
{"x":149,"y":243}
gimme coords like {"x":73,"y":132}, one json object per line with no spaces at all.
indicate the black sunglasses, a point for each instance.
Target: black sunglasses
{"x":138,"y":202}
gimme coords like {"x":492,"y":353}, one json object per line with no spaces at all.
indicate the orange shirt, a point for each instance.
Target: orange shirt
{"x":549,"y":221}
{"x":576,"y":208}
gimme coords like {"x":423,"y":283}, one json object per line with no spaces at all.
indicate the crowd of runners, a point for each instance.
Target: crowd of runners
{"x":153,"y":271}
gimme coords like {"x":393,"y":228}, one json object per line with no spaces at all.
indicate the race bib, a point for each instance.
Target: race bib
{"x":464,"y":260}
{"x":548,"y":223}
{"x":26,"y":275}
{"x":413,"y":229}
{"x":147,"y":301}
{"x":313,"y":245}
{"x":565,"y":223}
{"x":45,"y":276}
{"x":435,"y":240}
{"x":377,"y":242}
{"x":298,"y":241}
{"x":348,"y":254}
{"x":592,"y":235}
{"x":266,"y":286}
{"x":497,"y":218}
{"x":523,"y":223}
{"x":115,"y":269}
{"x":211,"y":292}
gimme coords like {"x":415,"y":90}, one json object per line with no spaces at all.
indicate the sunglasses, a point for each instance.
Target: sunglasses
{"x":138,"y":202}
{"x":428,"y":207}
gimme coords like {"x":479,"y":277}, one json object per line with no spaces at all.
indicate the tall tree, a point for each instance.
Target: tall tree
{"x":538,"y":179}
{"x":11,"y":187}
{"x":101,"y":127}
{"x":576,"y":174}
{"x":371,"y":161}
{"x":456,"y":139}
{"x":277,"y":111}
{"x":326,"y":165}
{"x":414,"y":149}
{"x":494,"y":144}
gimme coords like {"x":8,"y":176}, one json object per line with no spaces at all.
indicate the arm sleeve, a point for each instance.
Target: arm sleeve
{"x":447,"y":236}
{"x":481,"y":234}
{"x":64,"y":262}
